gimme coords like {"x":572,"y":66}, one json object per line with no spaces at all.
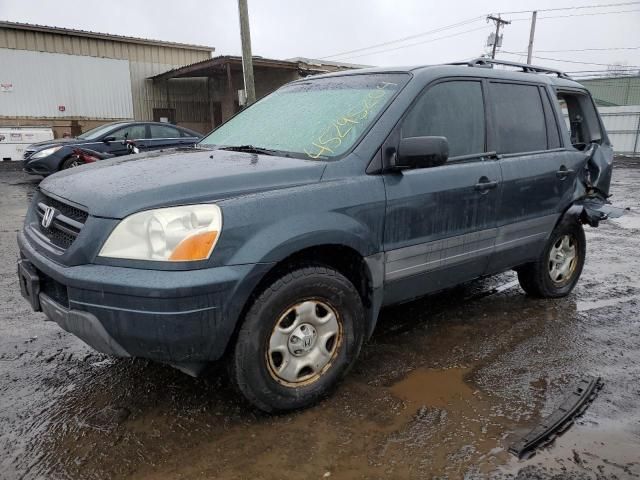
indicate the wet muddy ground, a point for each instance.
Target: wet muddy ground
{"x":442,"y":389}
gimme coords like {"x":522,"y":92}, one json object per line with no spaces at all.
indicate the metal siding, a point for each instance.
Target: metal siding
{"x":623,"y":128}
{"x":55,"y":43}
{"x":614,"y":90}
{"x":88,"y":87}
{"x":95,"y":89}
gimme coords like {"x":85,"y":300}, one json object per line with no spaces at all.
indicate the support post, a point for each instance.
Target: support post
{"x":247,"y":59}
{"x":532,"y":33}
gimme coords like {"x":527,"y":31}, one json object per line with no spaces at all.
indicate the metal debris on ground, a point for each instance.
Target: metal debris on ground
{"x":560,"y":419}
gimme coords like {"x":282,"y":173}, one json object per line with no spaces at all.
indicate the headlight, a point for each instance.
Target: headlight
{"x":46,"y":152}
{"x":174,"y":234}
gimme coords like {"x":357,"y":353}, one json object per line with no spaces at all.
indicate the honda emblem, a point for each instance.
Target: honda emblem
{"x":47,"y":217}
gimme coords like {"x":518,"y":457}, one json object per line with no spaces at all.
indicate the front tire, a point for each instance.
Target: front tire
{"x":298,"y":339}
{"x":560,"y":264}
{"x":71,"y":162}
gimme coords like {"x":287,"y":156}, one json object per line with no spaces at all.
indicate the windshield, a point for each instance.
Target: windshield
{"x":97,"y":132}
{"x":317,"y":119}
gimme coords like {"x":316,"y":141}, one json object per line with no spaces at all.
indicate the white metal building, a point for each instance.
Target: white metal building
{"x":73,"y":80}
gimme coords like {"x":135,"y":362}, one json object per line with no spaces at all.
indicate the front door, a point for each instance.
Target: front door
{"x":440,"y":221}
{"x":136,"y":133}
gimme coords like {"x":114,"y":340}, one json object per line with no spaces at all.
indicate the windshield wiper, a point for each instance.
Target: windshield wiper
{"x":251,"y":149}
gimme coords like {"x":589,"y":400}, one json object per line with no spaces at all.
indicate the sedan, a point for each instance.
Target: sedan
{"x":52,"y":156}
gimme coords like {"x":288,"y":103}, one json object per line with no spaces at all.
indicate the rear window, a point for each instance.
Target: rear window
{"x":164,"y":131}
{"x":519,"y":118}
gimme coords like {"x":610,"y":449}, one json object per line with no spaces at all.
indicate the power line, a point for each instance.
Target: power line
{"x":584,"y":50}
{"x":416,"y":43}
{"x":473,"y":20}
{"x":568,"y":61}
{"x":577,"y":15}
{"x":572,"y":8}
{"x":409,"y":37}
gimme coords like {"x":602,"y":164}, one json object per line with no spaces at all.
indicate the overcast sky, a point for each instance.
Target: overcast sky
{"x":321,"y":28}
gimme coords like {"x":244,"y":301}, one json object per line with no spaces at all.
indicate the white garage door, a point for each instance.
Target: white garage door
{"x":40,"y":84}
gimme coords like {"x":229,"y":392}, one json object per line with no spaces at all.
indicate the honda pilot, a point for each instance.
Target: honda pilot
{"x":274,"y":243}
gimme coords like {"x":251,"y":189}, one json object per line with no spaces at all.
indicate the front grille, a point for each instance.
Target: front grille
{"x":66,"y":224}
{"x":27,"y":154}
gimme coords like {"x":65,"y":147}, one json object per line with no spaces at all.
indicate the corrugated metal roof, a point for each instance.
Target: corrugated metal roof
{"x":104,"y":36}
{"x":216,"y":65}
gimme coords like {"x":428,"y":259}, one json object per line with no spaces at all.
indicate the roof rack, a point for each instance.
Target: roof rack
{"x":483,"y":62}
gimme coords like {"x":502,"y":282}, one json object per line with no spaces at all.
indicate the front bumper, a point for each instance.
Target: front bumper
{"x":44,"y":166}
{"x":177,"y":317}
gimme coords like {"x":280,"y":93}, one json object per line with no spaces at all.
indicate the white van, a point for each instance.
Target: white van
{"x":14,"y":140}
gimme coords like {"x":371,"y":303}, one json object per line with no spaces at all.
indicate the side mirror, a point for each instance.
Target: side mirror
{"x":109,"y":139}
{"x":422,"y":152}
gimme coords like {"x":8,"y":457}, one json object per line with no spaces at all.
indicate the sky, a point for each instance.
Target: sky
{"x":323,"y":28}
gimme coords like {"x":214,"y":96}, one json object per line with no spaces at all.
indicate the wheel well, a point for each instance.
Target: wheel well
{"x":64,"y":159}
{"x":345,"y":260}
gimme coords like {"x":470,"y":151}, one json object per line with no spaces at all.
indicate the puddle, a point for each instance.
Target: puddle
{"x":603,"y":448}
{"x":434,"y":388}
{"x":453,"y":424}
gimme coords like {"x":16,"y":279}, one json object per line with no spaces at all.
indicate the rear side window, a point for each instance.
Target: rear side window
{"x":519,"y":118}
{"x":164,"y":131}
{"x":454,"y":110}
{"x":581,"y":119}
{"x":553,"y":135}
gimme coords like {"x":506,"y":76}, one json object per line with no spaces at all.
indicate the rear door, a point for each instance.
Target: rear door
{"x":163,"y":136}
{"x":188,"y":138}
{"x":440,"y":221}
{"x":537,"y":171}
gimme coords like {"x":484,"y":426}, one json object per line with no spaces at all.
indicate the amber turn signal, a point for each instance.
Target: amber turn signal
{"x":195,"y":247}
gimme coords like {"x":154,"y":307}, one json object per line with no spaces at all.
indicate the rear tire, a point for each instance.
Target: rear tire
{"x":560,"y":264}
{"x":298,"y":339}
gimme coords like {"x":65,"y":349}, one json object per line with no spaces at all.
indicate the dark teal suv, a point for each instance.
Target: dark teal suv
{"x":274,"y":243}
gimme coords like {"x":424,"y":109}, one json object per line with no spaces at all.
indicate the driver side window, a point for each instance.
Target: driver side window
{"x":453,"y":109}
{"x":132,"y":132}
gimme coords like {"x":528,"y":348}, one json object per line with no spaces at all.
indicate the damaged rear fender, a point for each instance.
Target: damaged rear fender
{"x":591,"y":205}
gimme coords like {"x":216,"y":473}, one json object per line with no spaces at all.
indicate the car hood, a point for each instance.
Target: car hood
{"x":55,"y":143}
{"x":117,"y":187}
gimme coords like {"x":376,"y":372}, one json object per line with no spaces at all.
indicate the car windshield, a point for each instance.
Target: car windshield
{"x":97,"y":132}
{"x":314,"y":119}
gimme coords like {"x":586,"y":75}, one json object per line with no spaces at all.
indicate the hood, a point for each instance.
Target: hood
{"x":117,"y":187}
{"x":56,"y":142}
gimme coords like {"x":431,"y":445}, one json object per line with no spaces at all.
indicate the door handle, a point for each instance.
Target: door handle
{"x":486,"y":185}
{"x":564,"y":172}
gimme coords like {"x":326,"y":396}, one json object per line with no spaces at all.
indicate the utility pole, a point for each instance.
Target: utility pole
{"x":247,"y":59}
{"x":499,"y":23}
{"x":531,"y":35}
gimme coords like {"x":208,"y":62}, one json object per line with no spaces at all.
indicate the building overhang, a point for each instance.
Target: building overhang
{"x":220,"y":66}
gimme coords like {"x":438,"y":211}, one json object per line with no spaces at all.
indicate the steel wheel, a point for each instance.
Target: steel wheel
{"x":563,"y":258}
{"x":304,"y":342}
